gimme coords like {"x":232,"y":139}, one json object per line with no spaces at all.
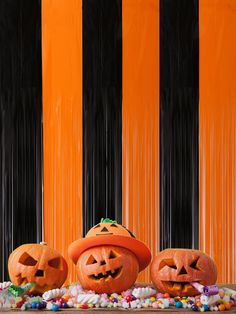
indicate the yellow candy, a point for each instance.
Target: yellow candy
{"x":90,"y":305}
{"x":78,"y":306}
{"x":221,"y":294}
{"x":152,"y":299}
{"x":120,"y":297}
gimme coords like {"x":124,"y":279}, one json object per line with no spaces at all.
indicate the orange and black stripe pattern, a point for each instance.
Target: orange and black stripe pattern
{"x":122,"y":109}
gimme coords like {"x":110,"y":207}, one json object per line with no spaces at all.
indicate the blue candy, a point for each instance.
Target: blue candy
{"x":178,"y":304}
{"x":206,"y":307}
{"x":34,"y":305}
{"x":55,"y":307}
{"x":194,"y":308}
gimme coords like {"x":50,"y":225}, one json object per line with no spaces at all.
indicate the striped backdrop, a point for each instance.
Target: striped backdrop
{"x":123,"y":109}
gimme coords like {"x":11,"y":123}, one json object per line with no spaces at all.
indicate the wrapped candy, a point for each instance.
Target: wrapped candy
{"x":231,"y":292}
{"x":4,"y":285}
{"x":209,"y":300}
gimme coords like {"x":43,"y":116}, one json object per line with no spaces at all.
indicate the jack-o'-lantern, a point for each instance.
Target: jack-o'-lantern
{"x":109,"y":258}
{"x":39,"y":264}
{"x":113,"y":267}
{"x":172,"y":271}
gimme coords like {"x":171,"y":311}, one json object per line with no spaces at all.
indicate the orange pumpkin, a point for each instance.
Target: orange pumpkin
{"x":109,"y":258}
{"x":108,"y":227}
{"x":172,"y":270}
{"x":37,"y":263}
{"x":107,"y":269}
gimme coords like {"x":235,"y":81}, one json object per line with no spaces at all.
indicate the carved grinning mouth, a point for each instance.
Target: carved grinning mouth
{"x":178,"y":285}
{"x":113,"y":274}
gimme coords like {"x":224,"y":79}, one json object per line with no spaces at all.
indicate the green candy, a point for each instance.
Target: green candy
{"x":16,"y":291}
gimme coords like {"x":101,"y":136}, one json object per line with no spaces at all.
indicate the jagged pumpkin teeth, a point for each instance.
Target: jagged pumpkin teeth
{"x":177,"y":286}
{"x":187,"y":287}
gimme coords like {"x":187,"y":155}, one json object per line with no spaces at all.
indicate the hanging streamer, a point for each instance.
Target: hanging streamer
{"x":179,"y":57}
{"x":62,"y":120}
{"x":218,"y":134}
{"x":102,"y":111}
{"x":140,"y":121}
{"x":20,"y":126}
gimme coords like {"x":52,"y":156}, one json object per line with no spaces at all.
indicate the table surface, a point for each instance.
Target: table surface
{"x":114,"y":311}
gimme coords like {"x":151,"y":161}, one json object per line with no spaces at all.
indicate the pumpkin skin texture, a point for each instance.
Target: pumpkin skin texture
{"x":107,"y":269}
{"x":37,"y":263}
{"x":173,"y":269}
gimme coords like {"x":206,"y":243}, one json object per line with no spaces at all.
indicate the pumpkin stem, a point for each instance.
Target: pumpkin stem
{"x":107,"y":220}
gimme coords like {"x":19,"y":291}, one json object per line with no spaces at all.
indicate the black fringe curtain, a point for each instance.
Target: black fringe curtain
{"x":20,"y":126}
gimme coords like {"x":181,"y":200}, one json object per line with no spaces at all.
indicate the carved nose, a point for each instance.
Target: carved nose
{"x":183,"y":271}
{"x":104,"y":229}
{"x":102,"y":263}
{"x":39,"y":273}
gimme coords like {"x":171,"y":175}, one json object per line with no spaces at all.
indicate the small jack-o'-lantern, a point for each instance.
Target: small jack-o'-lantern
{"x":108,"y":227}
{"x":109,"y":258}
{"x":39,"y":264}
{"x":172,"y":270}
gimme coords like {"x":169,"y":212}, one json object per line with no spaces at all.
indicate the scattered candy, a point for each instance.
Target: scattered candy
{"x":138,"y":297}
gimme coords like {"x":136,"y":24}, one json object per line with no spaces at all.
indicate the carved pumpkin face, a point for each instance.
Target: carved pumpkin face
{"x":107,"y":269}
{"x":37,"y":263}
{"x":111,"y":228}
{"x":173,"y":269}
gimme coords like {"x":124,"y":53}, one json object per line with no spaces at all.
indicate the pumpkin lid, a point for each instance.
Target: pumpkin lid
{"x":109,"y":232}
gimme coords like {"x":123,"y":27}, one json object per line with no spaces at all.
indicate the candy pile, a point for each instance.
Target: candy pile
{"x":138,"y":297}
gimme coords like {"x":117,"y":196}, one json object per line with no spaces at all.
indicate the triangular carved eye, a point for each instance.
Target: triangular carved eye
{"x":167,"y":262}
{"x":55,"y":263}
{"x":91,"y":260}
{"x":114,"y":225}
{"x":113,"y":255}
{"x":27,"y":260}
{"x":194,"y":264}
